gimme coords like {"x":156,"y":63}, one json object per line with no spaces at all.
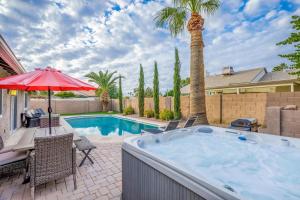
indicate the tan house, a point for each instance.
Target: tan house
{"x":257,"y":80}
{"x":12,"y":103}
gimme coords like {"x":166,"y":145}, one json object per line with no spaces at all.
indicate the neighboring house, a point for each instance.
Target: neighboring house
{"x":248,"y":81}
{"x":12,"y":103}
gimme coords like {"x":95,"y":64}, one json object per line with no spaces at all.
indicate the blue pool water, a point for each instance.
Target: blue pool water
{"x":106,"y":125}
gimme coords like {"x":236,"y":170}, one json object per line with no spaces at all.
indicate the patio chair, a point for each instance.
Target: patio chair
{"x":32,"y":119}
{"x":12,"y":162}
{"x":85,"y":146}
{"x":40,"y":110}
{"x":171,"y":126}
{"x":53,"y":158}
{"x":190,"y":122}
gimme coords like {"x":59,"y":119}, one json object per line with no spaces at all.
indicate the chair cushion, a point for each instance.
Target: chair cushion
{"x":9,"y":157}
{"x":84,"y":144}
{"x":28,"y":114}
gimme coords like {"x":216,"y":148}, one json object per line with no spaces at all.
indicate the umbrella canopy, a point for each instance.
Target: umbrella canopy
{"x":44,"y":79}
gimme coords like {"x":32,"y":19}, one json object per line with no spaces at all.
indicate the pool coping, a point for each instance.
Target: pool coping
{"x":113,"y":138}
{"x":138,"y":120}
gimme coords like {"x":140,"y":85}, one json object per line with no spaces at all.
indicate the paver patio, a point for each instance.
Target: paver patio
{"x":102,"y":180}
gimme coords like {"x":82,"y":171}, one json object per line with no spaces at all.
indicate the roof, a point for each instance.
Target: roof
{"x":278,"y":76}
{"x":256,"y":76}
{"x":8,"y":60}
{"x":246,"y":76}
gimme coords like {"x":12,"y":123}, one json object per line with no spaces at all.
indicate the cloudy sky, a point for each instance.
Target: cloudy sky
{"x":81,"y":36}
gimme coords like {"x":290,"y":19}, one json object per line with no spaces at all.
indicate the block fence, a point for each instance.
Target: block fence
{"x":220,"y":108}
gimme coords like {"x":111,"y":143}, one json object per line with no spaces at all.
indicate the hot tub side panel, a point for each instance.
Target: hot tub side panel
{"x":143,"y":182}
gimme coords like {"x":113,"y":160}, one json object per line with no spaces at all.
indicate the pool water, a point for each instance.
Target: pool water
{"x":254,"y":170}
{"x":106,"y":125}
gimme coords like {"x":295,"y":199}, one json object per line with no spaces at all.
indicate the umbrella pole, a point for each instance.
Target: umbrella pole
{"x":49,"y":109}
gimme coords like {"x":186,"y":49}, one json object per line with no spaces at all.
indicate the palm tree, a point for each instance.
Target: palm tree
{"x":105,"y":81}
{"x":176,"y":18}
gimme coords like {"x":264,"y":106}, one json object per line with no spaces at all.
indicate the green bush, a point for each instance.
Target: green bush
{"x":149,"y":113}
{"x":166,"y":115}
{"x":128,"y":111}
{"x":65,"y":94}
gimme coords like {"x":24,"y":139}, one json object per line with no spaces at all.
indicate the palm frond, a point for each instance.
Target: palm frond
{"x":103,"y":79}
{"x":209,"y":7}
{"x":181,"y":3}
{"x":172,"y":18}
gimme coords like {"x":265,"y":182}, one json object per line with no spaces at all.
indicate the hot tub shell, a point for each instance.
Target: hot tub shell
{"x":144,"y":176}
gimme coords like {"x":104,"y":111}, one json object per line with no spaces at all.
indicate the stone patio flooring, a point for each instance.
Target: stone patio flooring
{"x":102,"y":180}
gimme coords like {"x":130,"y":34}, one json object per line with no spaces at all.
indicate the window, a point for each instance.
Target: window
{"x":1,"y":102}
{"x":25,"y":100}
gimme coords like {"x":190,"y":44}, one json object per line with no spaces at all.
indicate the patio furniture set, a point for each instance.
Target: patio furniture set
{"x":38,"y":118}
{"x":43,"y":157}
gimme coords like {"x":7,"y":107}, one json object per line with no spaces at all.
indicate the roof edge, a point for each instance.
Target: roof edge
{"x":18,"y":68}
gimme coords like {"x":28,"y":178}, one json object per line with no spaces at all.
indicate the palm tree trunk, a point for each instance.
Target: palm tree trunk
{"x":105,"y":100}
{"x":197,"y":84}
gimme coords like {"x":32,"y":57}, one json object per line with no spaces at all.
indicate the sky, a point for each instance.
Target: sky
{"x":81,"y":36}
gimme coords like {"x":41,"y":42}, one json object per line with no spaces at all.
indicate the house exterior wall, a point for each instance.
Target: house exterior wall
{"x":5,"y":120}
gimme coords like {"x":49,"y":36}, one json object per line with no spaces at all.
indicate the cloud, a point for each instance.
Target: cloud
{"x":83,"y":36}
{"x":257,"y":7}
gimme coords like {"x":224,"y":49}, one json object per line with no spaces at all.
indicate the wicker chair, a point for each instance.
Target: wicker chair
{"x":54,"y":158}
{"x":12,"y":162}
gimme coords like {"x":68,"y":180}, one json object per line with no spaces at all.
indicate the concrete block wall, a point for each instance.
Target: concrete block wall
{"x":282,"y":122}
{"x":233,"y":106}
{"x":290,"y":123}
{"x":70,"y":106}
{"x":213,"y":109}
{"x":243,"y":105}
{"x":185,"y":106}
{"x":283,"y":99}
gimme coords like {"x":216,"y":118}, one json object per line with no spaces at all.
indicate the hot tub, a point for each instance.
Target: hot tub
{"x":206,"y":162}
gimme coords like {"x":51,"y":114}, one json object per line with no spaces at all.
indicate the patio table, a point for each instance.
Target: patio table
{"x":26,"y":141}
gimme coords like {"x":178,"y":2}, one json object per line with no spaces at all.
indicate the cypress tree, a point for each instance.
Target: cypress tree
{"x":293,"y":39}
{"x":156,"y":91}
{"x":141,"y":92}
{"x":176,"y":89}
{"x":120,"y":95}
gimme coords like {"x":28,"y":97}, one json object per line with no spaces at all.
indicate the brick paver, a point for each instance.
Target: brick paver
{"x":102,"y":180}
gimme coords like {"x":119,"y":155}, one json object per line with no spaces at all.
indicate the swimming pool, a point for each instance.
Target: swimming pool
{"x":106,"y":125}
{"x":216,"y":164}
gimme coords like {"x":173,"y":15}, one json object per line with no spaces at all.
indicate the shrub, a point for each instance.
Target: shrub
{"x":128,"y":111}
{"x":65,"y":94}
{"x":149,"y":113}
{"x":166,"y":114}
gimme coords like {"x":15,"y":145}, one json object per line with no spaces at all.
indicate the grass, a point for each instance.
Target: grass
{"x":91,"y":113}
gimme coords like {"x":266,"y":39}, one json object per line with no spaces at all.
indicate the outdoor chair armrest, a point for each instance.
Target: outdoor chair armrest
{"x":6,"y":149}
{"x":74,"y":159}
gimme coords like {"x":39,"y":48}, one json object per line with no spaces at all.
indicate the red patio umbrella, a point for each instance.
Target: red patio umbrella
{"x":48,"y":79}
